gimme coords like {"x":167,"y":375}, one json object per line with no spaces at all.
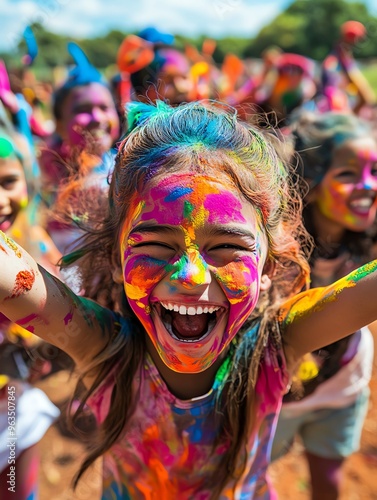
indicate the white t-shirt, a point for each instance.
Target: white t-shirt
{"x":34,"y":415}
{"x":343,"y":388}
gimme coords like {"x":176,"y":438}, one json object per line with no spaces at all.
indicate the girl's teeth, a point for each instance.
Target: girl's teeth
{"x":190,"y":310}
{"x":362,"y":203}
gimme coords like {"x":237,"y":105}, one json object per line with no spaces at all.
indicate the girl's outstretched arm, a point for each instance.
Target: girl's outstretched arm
{"x":42,"y":304}
{"x":320,"y":316}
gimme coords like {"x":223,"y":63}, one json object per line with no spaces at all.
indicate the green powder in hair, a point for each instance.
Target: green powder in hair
{"x":6,"y":147}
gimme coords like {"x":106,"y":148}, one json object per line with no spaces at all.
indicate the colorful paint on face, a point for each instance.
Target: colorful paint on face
{"x":174,"y":81}
{"x":13,"y":191}
{"x":347,"y":194}
{"x":316,"y":298}
{"x":192,"y":242}
{"x":89,"y":119}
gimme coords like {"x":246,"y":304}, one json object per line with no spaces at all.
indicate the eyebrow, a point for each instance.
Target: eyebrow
{"x":14,"y":173}
{"x":147,"y":228}
{"x":228,"y":231}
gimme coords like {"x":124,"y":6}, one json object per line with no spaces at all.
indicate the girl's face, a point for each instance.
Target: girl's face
{"x":174,"y":81}
{"x":347,"y":194}
{"x":192,"y":252}
{"x":89,"y":118}
{"x":174,"y":77}
{"x":13,"y":191}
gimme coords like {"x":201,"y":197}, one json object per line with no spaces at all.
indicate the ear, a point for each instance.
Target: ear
{"x":267,"y":273}
{"x":117,"y":269}
{"x":265,"y":282}
{"x":118,"y":275}
{"x":312,"y":195}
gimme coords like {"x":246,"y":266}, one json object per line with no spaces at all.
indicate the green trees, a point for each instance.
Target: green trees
{"x":307,"y":27}
{"x":310,"y":27}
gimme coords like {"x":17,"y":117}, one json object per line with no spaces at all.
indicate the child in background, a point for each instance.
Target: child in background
{"x":293,"y":86}
{"x":186,"y":367}
{"x":343,"y":85}
{"x":87,"y":125}
{"x":339,"y":157}
{"x":167,"y":77}
{"x":33,"y":412}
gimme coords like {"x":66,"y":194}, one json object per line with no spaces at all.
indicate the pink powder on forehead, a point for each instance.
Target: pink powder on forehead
{"x":229,"y":205}
{"x":367,"y":155}
{"x":199,"y":191}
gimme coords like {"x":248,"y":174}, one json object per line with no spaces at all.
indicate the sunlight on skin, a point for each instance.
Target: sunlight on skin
{"x":316,"y":299}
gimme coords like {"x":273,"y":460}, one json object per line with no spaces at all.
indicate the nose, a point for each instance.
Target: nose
{"x":97,"y":114}
{"x":191,"y":270}
{"x":367,"y":181}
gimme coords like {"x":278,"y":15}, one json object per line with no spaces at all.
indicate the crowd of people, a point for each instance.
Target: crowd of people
{"x":197,"y":242}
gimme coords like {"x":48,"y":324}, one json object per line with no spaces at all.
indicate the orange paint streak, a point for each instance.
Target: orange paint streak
{"x":24,"y":282}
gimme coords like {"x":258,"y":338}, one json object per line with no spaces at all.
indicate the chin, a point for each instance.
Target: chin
{"x":360,"y":227}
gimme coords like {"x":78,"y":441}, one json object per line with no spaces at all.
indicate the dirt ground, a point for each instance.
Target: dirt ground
{"x":61,"y":456}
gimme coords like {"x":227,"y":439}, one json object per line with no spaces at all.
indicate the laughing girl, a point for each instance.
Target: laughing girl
{"x":187,"y":365}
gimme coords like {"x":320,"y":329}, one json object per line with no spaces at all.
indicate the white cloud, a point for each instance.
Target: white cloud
{"x":86,"y":18}
{"x":13,"y":20}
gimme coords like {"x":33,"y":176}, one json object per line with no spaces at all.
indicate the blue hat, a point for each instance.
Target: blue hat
{"x":84,"y":72}
{"x":154,"y":36}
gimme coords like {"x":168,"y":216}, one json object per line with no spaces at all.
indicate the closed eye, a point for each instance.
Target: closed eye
{"x":233,"y":246}
{"x":9,"y":182}
{"x":346,"y":173}
{"x":153,"y":243}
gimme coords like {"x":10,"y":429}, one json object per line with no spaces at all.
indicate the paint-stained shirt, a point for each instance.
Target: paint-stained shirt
{"x":168,"y":449}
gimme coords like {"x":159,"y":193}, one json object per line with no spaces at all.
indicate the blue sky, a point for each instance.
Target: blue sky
{"x":87,"y":18}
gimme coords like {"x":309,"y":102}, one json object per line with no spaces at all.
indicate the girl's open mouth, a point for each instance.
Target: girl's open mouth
{"x":189,"y":323}
{"x":5,"y":222}
{"x":362,"y":205}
